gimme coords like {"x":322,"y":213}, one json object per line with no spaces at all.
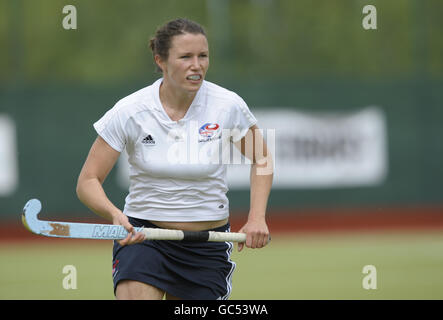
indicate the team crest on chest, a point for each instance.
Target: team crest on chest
{"x":209,"y":131}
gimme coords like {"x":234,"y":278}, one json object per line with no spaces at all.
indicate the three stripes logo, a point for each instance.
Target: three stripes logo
{"x":148,"y":140}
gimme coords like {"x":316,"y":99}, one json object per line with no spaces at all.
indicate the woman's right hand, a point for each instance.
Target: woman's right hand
{"x":132,"y":237}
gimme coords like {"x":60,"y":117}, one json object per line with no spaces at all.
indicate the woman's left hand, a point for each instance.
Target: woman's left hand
{"x":257,"y":234}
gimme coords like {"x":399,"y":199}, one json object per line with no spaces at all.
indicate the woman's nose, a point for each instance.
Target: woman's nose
{"x":194,"y":63}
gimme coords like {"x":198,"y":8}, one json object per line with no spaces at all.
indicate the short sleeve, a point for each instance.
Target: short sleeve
{"x":111,"y":128}
{"x":242,"y":119}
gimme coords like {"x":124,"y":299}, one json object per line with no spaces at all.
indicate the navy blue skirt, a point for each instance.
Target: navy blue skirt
{"x":186,"y":270}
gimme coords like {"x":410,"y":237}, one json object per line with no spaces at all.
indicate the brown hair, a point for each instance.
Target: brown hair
{"x":161,"y":42}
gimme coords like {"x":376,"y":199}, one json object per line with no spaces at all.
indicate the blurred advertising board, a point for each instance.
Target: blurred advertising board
{"x":8,"y":156}
{"x":321,"y":150}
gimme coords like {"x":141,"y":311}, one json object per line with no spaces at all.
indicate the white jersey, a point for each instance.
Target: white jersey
{"x":177,"y":172}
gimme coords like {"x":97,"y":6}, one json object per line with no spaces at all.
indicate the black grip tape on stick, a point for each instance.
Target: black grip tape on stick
{"x":195,"y":235}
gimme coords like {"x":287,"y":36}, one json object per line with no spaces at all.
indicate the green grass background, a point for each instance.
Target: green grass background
{"x":299,"y":266}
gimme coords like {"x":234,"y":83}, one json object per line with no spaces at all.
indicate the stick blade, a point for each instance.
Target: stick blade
{"x":29,"y":215}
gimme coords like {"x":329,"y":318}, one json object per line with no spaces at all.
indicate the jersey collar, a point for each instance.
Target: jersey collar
{"x":194,"y":108}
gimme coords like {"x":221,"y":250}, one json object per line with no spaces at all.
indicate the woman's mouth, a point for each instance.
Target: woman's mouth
{"x":194,"y":77}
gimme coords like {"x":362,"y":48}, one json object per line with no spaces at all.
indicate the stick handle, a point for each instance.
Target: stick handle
{"x":195,"y":236}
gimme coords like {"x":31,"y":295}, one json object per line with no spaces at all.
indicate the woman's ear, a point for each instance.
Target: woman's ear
{"x":159,"y":62}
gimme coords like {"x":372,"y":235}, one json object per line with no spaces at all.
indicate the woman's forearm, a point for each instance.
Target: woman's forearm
{"x":256,"y":229}
{"x":91,"y":194}
{"x":100,"y":161}
{"x":261,"y":182}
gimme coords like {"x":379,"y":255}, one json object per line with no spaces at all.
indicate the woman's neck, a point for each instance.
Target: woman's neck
{"x":175,"y":102}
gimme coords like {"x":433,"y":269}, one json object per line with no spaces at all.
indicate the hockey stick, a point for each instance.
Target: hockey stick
{"x":113,"y":232}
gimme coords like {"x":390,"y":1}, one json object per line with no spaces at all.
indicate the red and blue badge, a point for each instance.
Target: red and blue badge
{"x":209,"y":130}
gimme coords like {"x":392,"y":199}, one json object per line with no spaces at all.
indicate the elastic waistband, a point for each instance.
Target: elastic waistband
{"x":136,"y":222}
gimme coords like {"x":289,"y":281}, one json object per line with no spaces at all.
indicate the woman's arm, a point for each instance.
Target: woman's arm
{"x":101,"y":159}
{"x":254,"y":148}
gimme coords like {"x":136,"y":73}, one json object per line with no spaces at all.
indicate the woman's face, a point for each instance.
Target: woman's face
{"x":187,"y":63}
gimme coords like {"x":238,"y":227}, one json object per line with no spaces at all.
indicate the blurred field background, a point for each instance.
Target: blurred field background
{"x":358,"y":124}
{"x":307,"y":266}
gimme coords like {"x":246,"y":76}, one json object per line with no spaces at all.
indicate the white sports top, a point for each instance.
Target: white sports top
{"x":177,"y":168}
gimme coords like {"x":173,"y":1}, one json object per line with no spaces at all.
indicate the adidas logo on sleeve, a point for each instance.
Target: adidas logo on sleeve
{"x":148,"y":140}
